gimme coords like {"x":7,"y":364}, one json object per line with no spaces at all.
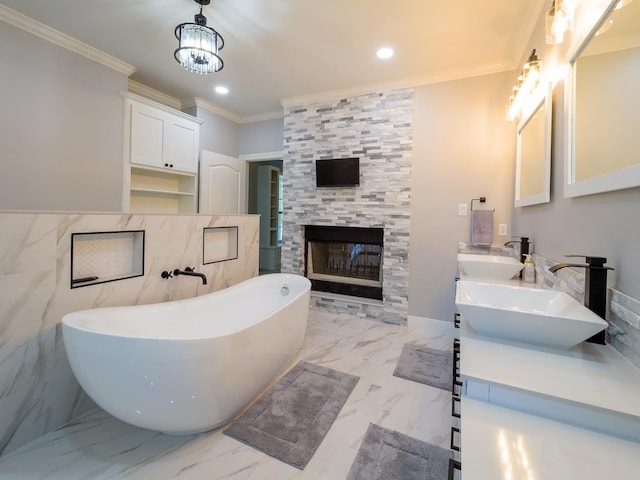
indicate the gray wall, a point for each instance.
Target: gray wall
{"x":61,"y":127}
{"x":463,"y":148}
{"x":264,"y":136}
{"x":217,"y":134}
{"x":221,"y":135}
{"x":607,"y":224}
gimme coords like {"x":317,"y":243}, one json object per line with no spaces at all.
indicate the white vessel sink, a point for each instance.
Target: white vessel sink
{"x":490,"y":267}
{"x":529,"y":315}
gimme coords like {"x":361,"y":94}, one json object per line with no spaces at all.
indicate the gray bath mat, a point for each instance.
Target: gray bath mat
{"x":389,"y":455}
{"x":425,"y":365}
{"x":290,"y":421}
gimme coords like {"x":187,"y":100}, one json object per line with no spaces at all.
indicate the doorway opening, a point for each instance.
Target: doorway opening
{"x":265,"y":199}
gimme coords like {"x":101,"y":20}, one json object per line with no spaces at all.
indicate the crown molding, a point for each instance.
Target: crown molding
{"x":161,"y":106}
{"x":210,"y":107}
{"x":261,"y":117}
{"x":234,"y":117}
{"x":407,"y":82}
{"x":65,"y":41}
{"x":160,"y":97}
{"x":261,"y":157}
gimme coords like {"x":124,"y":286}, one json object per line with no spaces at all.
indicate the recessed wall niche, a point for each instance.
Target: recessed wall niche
{"x":219,"y":244}
{"x":100,"y":257}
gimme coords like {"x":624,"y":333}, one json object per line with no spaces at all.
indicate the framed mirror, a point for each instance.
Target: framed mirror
{"x":533,"y":155}
{"x":603,"y":105}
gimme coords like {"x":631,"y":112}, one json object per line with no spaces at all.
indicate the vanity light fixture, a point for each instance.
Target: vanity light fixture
{"x":199,"y":45}
{"x":526,"y":85}
{"x":559,"y":20}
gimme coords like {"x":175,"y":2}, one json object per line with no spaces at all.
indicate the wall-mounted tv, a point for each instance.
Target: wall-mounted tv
{"x":338,"y":172}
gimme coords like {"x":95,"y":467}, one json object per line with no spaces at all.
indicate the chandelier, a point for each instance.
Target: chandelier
{"x":199,"y":45}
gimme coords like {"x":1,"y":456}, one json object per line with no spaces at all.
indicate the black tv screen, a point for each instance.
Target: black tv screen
{"x":338,"y":172}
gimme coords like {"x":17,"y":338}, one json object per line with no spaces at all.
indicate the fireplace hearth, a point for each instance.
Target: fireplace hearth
{"x":345,"y":260}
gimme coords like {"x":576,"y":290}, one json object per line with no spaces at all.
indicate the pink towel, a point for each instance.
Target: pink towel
{"x":481,"y":227}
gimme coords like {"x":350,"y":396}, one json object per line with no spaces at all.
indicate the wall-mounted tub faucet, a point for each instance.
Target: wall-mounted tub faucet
{"x":595,"y":287}
{"x":189,"y":271}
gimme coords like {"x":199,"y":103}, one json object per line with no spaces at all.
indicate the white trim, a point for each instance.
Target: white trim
{"x":621,"y":179}
{"x":544,"y":196}
{"x":161,"y":106}
{"x":259,"y":157}
{"x":210,"y":107}
{"x":409,"y":82}
{"x":153,"y":94}
{"x":229,"y":115}
{"x":261,"y":117}
{"x":65,"y":41}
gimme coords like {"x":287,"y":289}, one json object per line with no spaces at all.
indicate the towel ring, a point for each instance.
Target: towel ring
{"x":481,"y":200}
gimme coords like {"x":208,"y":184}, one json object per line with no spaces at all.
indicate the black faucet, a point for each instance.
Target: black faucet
{"x":595,"y":287}
{"x":524,"y":247}
{"x":190,"y":272}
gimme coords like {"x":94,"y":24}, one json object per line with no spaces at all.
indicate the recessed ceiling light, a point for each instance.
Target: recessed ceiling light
{"x":385,"y":52}
{"x":222,"y":90}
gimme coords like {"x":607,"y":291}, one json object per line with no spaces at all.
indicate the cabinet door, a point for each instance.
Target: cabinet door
{"x":181,"y":144}
{"x":147,"y":136}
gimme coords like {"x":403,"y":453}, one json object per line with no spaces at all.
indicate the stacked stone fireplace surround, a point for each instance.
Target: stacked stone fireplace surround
{"x":377,"y":128}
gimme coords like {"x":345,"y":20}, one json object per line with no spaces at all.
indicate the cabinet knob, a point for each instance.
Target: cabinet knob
{"x":171,"y":165}
{"x":166,"y":164}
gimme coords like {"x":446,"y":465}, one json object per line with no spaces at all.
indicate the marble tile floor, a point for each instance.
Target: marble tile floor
{"x":98,"y":446}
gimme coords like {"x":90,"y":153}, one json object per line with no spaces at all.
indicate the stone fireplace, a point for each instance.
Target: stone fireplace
{"x":377,"y":128}
{"x":345,"y":260}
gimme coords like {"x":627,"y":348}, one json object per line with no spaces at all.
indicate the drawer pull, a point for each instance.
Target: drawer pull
{"x":455,"y":400}
{"x":455,"y":447}
{"x":454,"y":466}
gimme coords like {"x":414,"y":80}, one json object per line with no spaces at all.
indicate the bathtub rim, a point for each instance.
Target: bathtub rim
{"x":69,"y":320}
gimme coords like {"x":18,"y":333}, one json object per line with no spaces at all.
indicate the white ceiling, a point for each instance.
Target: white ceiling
{"x":281,"y":49}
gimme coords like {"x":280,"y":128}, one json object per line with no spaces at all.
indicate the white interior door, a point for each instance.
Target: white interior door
{"x":223,"y":184}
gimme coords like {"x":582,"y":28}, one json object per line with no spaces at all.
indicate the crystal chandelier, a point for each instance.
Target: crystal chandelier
{"x":199,"y":45}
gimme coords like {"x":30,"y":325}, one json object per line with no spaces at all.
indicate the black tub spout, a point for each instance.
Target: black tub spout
{"x":189,"y":272}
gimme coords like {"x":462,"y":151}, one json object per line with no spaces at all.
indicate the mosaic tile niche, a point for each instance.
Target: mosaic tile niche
{"x":377,"y":128}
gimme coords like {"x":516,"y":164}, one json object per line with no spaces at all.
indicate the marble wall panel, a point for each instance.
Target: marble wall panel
{"x":38,"y":391}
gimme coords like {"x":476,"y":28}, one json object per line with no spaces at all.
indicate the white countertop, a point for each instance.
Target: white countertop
{"x":589,"y":374}
{"x":497,"y":440}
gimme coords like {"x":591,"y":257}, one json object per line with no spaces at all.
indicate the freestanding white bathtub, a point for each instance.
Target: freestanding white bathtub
{"x":190,"y":365}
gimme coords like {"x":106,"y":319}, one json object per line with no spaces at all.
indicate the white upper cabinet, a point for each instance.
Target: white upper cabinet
{"x":162,"y":137}
{"x":161,"y":148}
{"x":182,"y":144}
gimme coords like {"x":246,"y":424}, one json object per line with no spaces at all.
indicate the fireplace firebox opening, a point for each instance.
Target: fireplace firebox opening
{"x":345,"y":260}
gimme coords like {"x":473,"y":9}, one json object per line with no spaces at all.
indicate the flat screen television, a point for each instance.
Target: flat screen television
{"x":338,"y":172}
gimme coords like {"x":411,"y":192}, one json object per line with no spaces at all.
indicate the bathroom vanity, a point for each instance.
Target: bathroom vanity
{"x":537,"y":412}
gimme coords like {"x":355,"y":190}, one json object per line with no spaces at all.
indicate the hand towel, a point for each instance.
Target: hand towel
{"x":481,"y":227}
